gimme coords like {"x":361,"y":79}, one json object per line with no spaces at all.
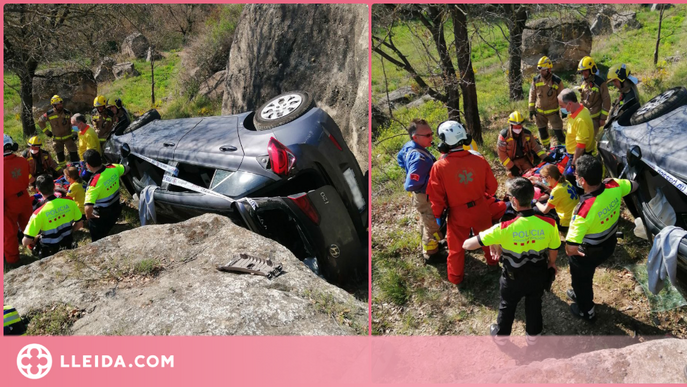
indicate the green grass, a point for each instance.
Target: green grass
{"x":56,"y":320}
{"x":147,"y":267}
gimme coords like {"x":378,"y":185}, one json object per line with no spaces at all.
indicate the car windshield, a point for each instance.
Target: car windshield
{"x":237,"y":184}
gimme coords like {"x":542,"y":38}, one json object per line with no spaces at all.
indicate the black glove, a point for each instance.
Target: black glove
{"x":515,"y":171}
{"x":75,"y":137}
{"x":532,"y":114}
{"x":563,"y":115}
{"x":48,"y":133}
{"x":549,"y":159}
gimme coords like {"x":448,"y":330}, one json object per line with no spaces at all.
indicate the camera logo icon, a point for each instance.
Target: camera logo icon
{"x":34,"y":361}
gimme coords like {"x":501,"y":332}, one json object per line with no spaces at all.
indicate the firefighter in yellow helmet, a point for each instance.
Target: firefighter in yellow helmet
{"x":518,"y":148}
{"x":594,"y":93}
{"x":544,"y":102}
{"x":102,"y":119}
{"x":60,"y":130}
{"x":619,"y":76}
{"x":40,"y":161}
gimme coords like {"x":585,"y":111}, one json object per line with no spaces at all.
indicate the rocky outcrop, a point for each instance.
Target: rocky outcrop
{"x":565,"y":44}
{"x":104,"y":72}
{"x":213,"y":87}
{"x":625,"y":21}
{"x":77,"y":88}
{"x":152,"y":55}
{"x":124,"y":70}
{"x":162,"y":280}
{"x":321,"y":49}
{"x":135,"y":46}
{"x":601,"y":25}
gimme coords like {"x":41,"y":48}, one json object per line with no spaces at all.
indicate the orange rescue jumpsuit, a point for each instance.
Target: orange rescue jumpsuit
{"x":461,"y":182}
{"x":16,"y":203}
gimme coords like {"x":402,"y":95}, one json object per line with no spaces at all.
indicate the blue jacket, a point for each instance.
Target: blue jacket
{"x":417,"y":162}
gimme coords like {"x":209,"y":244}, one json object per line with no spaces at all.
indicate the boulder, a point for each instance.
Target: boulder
{"x":104,"y":71}
{"x":420,"y":101}
{"x":135,"y":46}
{"x":125,"y":69}
{"x":152,"y":55}
{"x":163,"y":280}
{"x":563,"y":43}
{"x":321,"y":49}
{"x":601,"y":25}
{"x":658,"y":7}
{"x":625,"y":20}
{"x":76,"y":87}
{"x":213,"y":87}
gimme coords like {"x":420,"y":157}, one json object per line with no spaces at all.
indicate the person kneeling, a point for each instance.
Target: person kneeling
{"x":529,"y":246}
{"x":51,"y":226}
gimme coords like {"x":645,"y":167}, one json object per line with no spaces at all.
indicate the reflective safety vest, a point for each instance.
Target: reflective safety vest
{"x":595,"y":220}
{"x":11,"y":322}
{"x":103,"y":188}
{"x":544,"y":94}
{"x":60,"y":124}
{"x":524,"y":240}
{"x":53,"y":220}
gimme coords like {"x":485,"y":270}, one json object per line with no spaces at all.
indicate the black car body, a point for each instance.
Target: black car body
{"x":288,"y":175}
{"x":648,"y":144}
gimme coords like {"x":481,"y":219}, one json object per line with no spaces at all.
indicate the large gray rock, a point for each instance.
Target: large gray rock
{"x":135,"y":46}
{"x":213,"y":87}
{"x":124,"y":70}
{"x":321,"y":49}
{"x":188,"y":295}
{"x":602,"y":22}
{"x":625,"y":21}
{"x":77,"y":88}
{"x":153,"y":55}
{"x":565,"y":44}
{"x":104,"y":71}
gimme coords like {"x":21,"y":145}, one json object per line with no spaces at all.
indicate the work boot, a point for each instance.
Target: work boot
{"x":498,"y":340}
{"x":74,"y":157}
{"x":60,"y":157}
{"x":571,"y":295}
{"x":589,"y":316}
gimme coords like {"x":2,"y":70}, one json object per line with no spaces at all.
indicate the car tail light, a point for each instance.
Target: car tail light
{"x":304,"y":203}
{"x":281,"y":157}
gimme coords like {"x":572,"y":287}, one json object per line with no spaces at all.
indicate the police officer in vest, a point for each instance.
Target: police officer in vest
{"x":12,"y":325}
{"x":543,"y":104}
{"x":529,"y":246}
{"x":55,"y":221}
{"x":103,"y":119}
{"x":60,"y":130}
{"x":592,"y":238}
{"x":102,"y":204}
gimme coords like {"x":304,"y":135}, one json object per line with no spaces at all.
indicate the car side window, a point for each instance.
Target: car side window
{"x":237,"y":183}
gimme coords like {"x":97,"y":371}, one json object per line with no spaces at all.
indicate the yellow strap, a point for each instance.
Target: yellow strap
{"x":546,"y":142}
{"x":531,"y":104}
{"x":63,"y":138}
{"x":51,"y":117}
{"x":596,"y":89}
{"x":596,"y":114}
{"x":554,"y":87}
{"x":510,"y":139}
{"x":604,"y":112}
{"x":539,"y":84}
{"x":548,"y":111}
{"x":506,"y":161}
{"x":541,"y":152}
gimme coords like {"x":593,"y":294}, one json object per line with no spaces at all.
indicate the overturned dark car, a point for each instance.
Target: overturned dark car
{"x":648,"y":143}
{"x":283,"y":171}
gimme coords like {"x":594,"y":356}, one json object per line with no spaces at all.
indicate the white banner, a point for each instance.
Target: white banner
{"x":671,"y":179}
{"x":158,"y":164}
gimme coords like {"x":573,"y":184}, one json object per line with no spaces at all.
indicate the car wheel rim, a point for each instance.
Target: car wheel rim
{"x":655,"y":102}
{"x":280,"y":107}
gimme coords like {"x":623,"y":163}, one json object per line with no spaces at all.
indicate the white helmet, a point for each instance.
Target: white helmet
{"x":452,"y":132}
{"x":9,"y":145}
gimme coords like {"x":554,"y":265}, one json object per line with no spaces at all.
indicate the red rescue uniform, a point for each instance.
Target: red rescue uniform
{"x":16,"y":203}
{"x":461,"y":182}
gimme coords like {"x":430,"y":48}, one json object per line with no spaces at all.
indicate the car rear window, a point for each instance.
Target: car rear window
{"x":236,"y":184}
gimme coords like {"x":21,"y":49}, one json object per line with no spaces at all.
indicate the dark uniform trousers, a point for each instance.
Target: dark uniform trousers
{"x":46,"y":250}
{"x":100,"y":227}
{"x":527,"y":281}
{"x":582,"y":271}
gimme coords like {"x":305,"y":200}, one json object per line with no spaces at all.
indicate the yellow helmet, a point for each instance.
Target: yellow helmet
{"x":619,"y":72}
{"x":515,"y":118}
{"x":586,"y":63}
{"x":110,"y":102}
{"x":544,"y":62}
{"x":55,"y":99}
{"x":99,"y":101}
{"x":35,"y":141}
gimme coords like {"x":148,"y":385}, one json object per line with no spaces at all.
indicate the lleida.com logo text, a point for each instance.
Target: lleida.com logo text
{"x":34,"y":361}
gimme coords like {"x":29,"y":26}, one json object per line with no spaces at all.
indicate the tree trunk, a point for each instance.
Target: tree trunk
{"x":467,"y":75}
{"x":26,"y":93}
{"x":516,"y":25}
{"x":658,"y":38}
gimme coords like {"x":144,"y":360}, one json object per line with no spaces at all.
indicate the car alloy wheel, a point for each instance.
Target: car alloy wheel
{"x":281,"y":106}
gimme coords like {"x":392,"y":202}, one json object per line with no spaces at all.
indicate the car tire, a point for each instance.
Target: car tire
{"x":661,"y":104}
{"x":147,"y":117}
{"x":282,"y":109}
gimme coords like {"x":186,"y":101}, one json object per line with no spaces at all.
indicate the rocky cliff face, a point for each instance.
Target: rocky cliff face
{"x":321,"y":49}
{"x":162,"y":280}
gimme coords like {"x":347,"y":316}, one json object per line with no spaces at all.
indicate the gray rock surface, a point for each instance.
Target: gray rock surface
{"x":188,"y":295}
{"x":135,"y":46}
{"x":601,"y":24}
{"x":321,"y":49}
{"x":126,"y":69}
{"x":625,"y":20}
{"x":104,"y":71}
{"x":76,"y":87}
{"x":658,"y":7}
{"x":565,"y":44}
{"x":213,"y":87}
{"x":153,"y":55}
